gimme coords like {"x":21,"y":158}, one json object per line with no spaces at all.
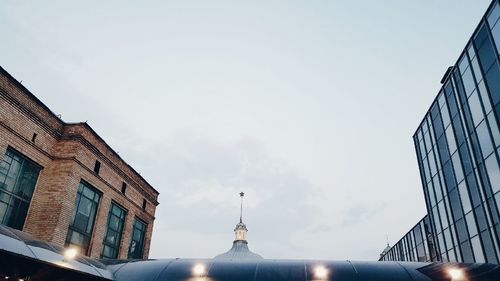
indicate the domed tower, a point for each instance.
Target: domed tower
{"x":239,"y":250}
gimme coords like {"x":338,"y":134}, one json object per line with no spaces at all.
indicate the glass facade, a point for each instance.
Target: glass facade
{"x":417,"y":245}
{"x":136,"y":248}
{"x":458,"y":146}
{"x":82,"y":224}
{"x":113,"y":236}
{"x":18,"y":176}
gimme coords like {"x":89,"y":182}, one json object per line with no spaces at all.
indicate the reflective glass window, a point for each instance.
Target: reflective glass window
{"x":464,"y":197}
{"x":459,"y":132}
{"x":466,"y":252}
{"x":468,"y":82}
{"x":489,"y":249}
{"x":494,"y":15}
{"x":477,"y":70}
{"x":441,"y":99}
{"x":457,"y":166}
{"x":449,"y":176}
{"x":463,"y":64}
{"x":447,"y":238}
{"x":450,"y":137}
{"x":445,"y":116}
{"x":112,"y":239}
{"x":486,"y":55}
{"x":477,"y":249}
{"x":484,"y":97}
{"x":136,"y":248}
{"x":493,"y":83}
{"x":481,"y":36}
{"x":471,"y":223}
{"x":18,"y":177}
{"x":437,"y":188}
{"x":494,"y":129}
{"x":443,"y":149}
{"x":475,"y":108}
{"x":442,"y":213}
{"x":82,"y":222}
{"x":461,"y":231}
{"x":432,"y":164}
{"x":493,"y":172}
{"x":496,"y":36}
{"x":483,"y":136}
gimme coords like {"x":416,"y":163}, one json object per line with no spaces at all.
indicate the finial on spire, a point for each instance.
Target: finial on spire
{"x":241,"y":206}
{"x":387,"y":238}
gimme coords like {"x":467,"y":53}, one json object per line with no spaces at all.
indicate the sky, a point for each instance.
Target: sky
{"x":309,"y":107}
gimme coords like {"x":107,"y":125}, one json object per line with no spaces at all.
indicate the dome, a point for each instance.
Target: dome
{"x":239,"y":251}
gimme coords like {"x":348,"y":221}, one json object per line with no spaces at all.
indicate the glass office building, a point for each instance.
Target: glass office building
{"x":458,"y":146}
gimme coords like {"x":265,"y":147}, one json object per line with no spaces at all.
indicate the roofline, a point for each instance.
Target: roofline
{"x":87,"y":126}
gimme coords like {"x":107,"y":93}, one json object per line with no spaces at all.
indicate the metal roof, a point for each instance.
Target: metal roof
{"x":239,"y":251}
{"x":16,"y":245}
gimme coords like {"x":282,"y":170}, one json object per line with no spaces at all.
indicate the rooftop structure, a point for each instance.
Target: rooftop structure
{"x":239,"y":250}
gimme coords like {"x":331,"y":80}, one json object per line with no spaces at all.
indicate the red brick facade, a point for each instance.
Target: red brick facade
{"x":67,"y":154}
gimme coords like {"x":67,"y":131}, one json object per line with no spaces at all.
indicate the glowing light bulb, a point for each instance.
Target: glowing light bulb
{"x":456,"y":274}
{"x":199,"y":270}
{"x":320,"y":272}
{"x":70,"y":253}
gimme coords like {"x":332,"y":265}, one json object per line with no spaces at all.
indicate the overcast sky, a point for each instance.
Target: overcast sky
{"x":309,"y":107}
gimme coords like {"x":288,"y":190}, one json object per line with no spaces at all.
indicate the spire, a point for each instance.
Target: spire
{"x":240,"y":245}
{"x":240,"y":232}
{"x":241,"y":206}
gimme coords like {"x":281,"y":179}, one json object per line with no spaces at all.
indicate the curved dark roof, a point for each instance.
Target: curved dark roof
{"x":239,"y":251}
{"x":294,"y":270}
{"x":22,"y":246}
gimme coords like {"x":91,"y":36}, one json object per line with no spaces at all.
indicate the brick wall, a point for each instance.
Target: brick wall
{"x":67,"y":153}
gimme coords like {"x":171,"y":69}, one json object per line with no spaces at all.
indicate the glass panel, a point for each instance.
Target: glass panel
{"x":477,"y":249}
{"x":468,"y":82}
{"x":477,"y":70}
{"x":450,"y":137}
{"x":493,"y":83}
{"x":494,"y":129}
{"x":484,"y":97}
{"x":496,"y":36}
{"x":483,"y":136}
{"x":457,"y":166}
{"x":493,"y":172}
{"x":475,"y":108}
{"x":82,"y":224}
{"x":114,"y":232}
{"x":18,"y":177}
{"x":494,"y":14}
{"x":464,"y":197}
{"x":137,"y":242}
{"x":471,"y":223}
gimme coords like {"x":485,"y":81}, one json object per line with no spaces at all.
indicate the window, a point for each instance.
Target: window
{"x":97,"y":167}
{"x":82,"y":223}
{"x":124,"y":187}
{"x":136,"y":248}
{"x":113,"y":235}
{"x":475,"y":109}
{"x":493,"y":173}
{"x":18,"y":177}
{"x":144,"y":202}
{"x":483,"y":136}
{"x":477,"y":249}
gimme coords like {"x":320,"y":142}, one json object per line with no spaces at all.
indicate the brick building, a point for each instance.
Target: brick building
{"x":62,"y":183}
